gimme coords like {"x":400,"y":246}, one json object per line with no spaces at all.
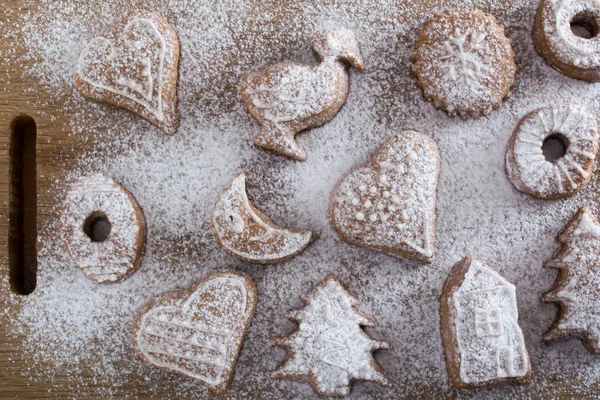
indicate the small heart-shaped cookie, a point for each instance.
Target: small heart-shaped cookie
{"x":389,"y":204}
{"x":135,"y":67}
{"x":198,"y":332}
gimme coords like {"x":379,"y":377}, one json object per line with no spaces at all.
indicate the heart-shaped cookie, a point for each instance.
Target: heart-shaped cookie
{"x":135,"y":67}
{"x":389,"y":204}
{"x":198,"y":332}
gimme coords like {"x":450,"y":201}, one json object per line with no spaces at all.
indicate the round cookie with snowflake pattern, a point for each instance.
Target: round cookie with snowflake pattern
{"x":464,"y":63}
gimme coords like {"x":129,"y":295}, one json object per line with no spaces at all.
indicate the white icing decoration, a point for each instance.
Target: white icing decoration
{"x":529,"y":170}
{"x":489,"y":340}
{"x":386,"y":229}
{"x":577,"y":293}
{"x":114,"y":257}
{"x":191,"y":338}
{"x":271,"y":243}
{"x":584,"y":51}
{"x":462,"y":61}
{"x":334,"y":348}
{"x":132,"y":89}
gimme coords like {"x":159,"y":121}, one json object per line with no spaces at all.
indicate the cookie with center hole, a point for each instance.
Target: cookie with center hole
{"x":552,"y":151}
{"x":103,"y":229}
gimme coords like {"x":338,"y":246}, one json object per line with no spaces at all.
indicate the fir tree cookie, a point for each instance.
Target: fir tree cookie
{"x":532,"y":165}
{"x":198,"y":333}
{"x":389,"y":204}
{"x":288,"y":97}
{"x":482,"y":339}
{"x":464,"y":63}
{"x":134,"y":66}
{"x":576,"y":290}
{"x":330,"y":349}
{"x":246,"y":233}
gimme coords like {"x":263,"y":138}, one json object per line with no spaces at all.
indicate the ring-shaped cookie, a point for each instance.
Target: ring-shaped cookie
{"x":573,"y":55}
{"x":527,"y":166}
{"x":110,"y":254}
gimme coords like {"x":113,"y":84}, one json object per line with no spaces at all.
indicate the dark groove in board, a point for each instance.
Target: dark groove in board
{"x":22,"y":231}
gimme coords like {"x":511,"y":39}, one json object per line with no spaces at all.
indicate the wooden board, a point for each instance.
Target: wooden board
{"x":22,"y":94}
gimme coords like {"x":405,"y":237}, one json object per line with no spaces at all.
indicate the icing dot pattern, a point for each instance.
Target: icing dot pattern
{"x":528,"y":169}
{"x":117,"y":257}
{"x":396,"y":214}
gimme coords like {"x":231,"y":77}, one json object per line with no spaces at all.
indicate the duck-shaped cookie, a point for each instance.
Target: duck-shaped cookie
{"x":288,"y":97}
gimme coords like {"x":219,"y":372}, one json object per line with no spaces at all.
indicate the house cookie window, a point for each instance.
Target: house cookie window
{"x":488,"y":322}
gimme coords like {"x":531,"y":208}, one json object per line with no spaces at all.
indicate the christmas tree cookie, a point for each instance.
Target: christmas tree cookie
{"x":576,"y":288}
{"x":330,"y":349}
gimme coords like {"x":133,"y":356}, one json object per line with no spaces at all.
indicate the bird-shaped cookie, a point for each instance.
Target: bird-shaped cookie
{"x":288,"y":97}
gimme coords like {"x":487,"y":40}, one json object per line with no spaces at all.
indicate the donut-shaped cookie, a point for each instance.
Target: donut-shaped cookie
{"x":571,"y":54}
{"x":103,"y":229}
{"x":536,"y":174}
{"x":464,"y":63}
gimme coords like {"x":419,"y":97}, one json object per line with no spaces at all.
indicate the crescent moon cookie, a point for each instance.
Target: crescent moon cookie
{"x":288,"y":97}
{"x":464,"y":63}
{"x":575,"y":55}
{"x":530,"y":171}
{"x":576,"y":287}
{"x":330,"y":349}
{"x":198,"y":333}
{"x":103,"y":229}
{"x":389,"y":204}
{"x":482,"y":339}
{"x":246,"y":233}
{"x":134,"y":66}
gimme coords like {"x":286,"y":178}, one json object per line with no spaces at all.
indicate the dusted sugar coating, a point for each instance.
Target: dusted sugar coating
{"x":464,"y":63}
{"x":389,"y":204}
{"x":245,"y":232}
{"x":572,"y":55}
{"x":577,"y":286}
{"x":481,"y":335}
{"x":330,"y":350}
{"x":119,"y":255}
{"x":526,"y":165}
{"x":198,"y":332}
{"x":135,"y":67}
{"x":287,"y":98}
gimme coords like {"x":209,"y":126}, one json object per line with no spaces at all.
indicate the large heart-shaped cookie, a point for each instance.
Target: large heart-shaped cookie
{"x":135,"y":67}
{"x":198,"y":332}
{"x":389,"y":204}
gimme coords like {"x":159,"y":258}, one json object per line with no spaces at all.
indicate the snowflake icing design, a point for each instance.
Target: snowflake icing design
{"x":461,"y":59}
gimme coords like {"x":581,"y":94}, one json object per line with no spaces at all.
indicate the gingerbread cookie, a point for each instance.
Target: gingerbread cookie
{"x":576,"y":288}
{"x":198,"y":332}
{"x":135,"y":67}
{"x":246,"y":233}
{"x":330,"y":350}
{"x":533,"y":172}
{"x":575,"y":54}
{"x":480,"y":330}
{"x":103,"y":229}
{"x":464,"y":63}
{"x":287,"y":98}
{"x":389,"y":204}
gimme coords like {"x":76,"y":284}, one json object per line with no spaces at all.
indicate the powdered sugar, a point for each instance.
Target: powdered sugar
{"x":199,"y":335}
{"x":464,"y":62}
{"x":250,"y":236}
{"x":389,"y":205}
{"x":81,"y":330}
{"x":330,"y":350}
{"x":118,"y":256}
{"x":489,"y":341}
{"x":526,"y":165}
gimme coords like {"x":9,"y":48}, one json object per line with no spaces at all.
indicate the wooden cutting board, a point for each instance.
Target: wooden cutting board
{"x":54,"y":153}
